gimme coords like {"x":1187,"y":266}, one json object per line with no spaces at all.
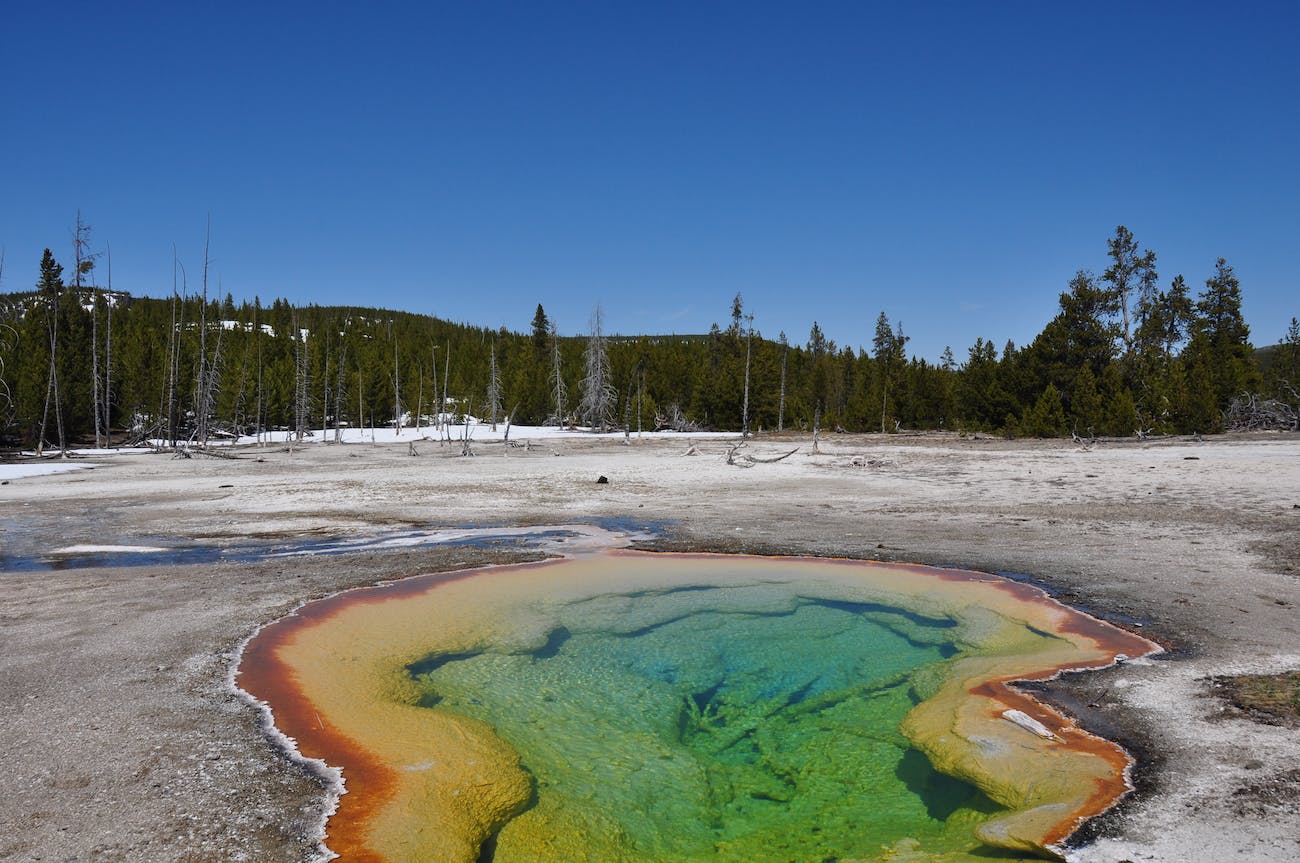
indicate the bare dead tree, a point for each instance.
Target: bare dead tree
{"x":419,"y":404}
{"x":215,"y":368}
{"x":361,"y":413}
{"x":627,"y":411}
{"x":168,"y":397}
{"x":494,"y":387}
{"x":302,"y":390}
{"x":325,"y":389}
{"x":257,"y":335}
{"x":598,"y":393}
{"x":338,"y":390}
{"x":557,"y":377}
{"x":241,"y":417}
{"x":8,"y":338}
{"x":446,"y":378}
{"x":8,"y":342}
{"x":744,"y":413}
{"x":505,"y":438}
{"x":467,"y":436}
{"x":202,"y":400}
{"x":780,"y":411}
{"x":397,"y":389}
{"x":84,"y":265}
{"x":108,"y":349}
{"x":433,"y":371}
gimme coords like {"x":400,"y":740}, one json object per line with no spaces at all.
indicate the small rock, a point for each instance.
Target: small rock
{"x":602,"y":480}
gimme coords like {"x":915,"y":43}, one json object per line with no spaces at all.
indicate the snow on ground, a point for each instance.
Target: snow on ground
{"x":107,"y":549}
{"x":477,"y":430}
{"x":39,"y":468}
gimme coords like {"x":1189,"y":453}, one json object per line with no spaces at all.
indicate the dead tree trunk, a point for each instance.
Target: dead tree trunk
{"x":201,"y":401}
{"x":108,"y":350}
{"x":338,"y":391}
{"x":257,"y":334}
{"x":94,"y":364}
{"x":598,"y":394}
{"x":325,"y":390}
{"x":173,"y":351}
{"x":446,"y":379}
{"x":302,"y":396}
{"x":494,"y":387}
{"x":557,"y":377}
{"x":780,"y":411}
{"x":419,"y":404}
{"x":744,"y":413}
{"x":397,"y":393}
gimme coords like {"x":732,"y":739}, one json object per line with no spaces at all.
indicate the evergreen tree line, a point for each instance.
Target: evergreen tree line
{"x":1126,"y":353}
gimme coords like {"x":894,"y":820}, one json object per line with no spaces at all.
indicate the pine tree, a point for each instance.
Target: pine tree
{"x":885,"y":349}
{"x":541,"y":331}
{"x":1221,"y":338}
{"x":1086,"y":402}
{"x":1285,"y":370}
{"x":1047,"y":417}
{"x":1130,"y":269}
{"x":785,"y":351}
{"x":50,"y":289}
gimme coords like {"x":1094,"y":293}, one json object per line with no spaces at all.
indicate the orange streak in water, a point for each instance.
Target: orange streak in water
{"x":262,"y":674}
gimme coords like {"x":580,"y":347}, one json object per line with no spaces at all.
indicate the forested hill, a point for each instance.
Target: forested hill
{"x":1123,"y":354}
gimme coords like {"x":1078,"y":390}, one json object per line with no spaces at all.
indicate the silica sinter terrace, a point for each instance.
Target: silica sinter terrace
{"x":645,"y":707}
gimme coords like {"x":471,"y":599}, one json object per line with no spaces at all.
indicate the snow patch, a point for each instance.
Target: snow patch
{"x":29,"y":469}
{"x":107,"y":549}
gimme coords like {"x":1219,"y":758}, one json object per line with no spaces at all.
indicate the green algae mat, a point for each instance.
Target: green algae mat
{"x":640,"y":707}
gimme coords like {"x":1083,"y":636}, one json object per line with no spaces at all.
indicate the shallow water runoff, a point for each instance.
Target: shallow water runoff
{"x":642,"y":707}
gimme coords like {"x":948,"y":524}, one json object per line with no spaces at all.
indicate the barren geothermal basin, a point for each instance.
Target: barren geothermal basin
{"x":638,"y":707}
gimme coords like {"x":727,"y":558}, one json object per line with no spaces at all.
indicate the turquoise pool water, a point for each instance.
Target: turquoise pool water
{"x":731,"y":723}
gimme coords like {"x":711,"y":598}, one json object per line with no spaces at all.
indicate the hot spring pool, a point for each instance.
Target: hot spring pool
{"x":643,"y":707}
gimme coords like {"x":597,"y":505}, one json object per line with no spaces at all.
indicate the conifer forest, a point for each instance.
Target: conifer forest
{"x":1131,"y":351}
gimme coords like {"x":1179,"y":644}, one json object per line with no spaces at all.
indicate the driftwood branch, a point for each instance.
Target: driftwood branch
{"x":744,"y":459}
{"x":675,"y":420}
{"x":1253,"y":412}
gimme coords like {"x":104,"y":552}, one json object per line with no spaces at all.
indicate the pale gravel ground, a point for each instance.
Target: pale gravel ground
{"x":120,"y":743}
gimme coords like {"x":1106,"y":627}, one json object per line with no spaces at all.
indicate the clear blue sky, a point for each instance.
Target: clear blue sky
{"x":950,"y":163}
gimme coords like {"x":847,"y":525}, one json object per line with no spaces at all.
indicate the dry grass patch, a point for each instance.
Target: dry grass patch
{"x":1273,"y":698}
